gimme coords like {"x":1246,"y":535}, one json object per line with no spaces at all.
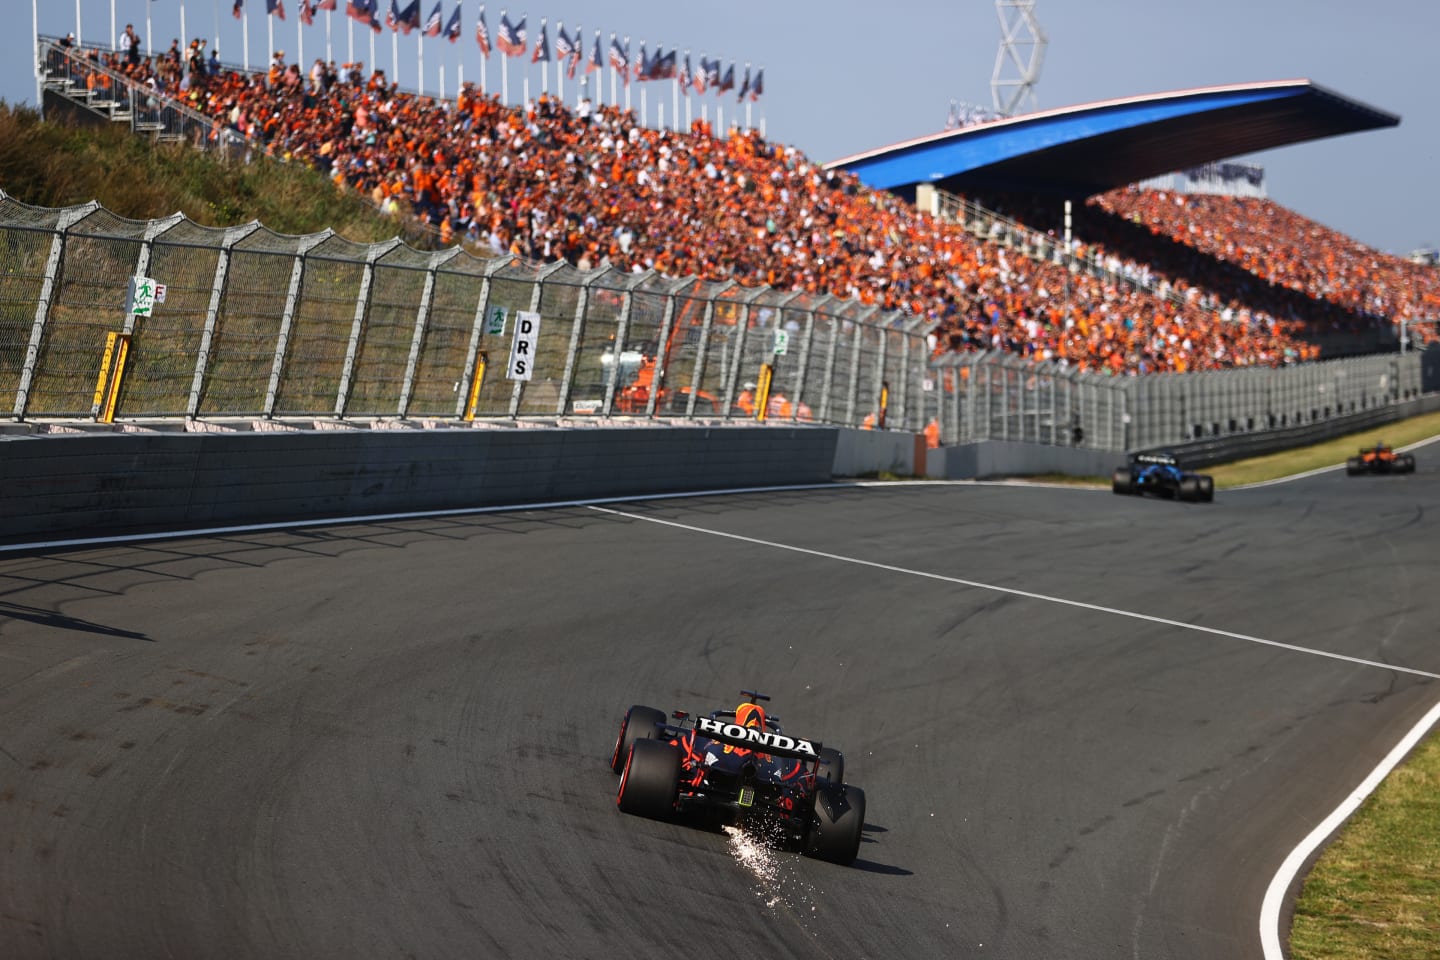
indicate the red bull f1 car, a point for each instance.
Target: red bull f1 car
{"x":1380,"y":459}
{"x":739,"y":768}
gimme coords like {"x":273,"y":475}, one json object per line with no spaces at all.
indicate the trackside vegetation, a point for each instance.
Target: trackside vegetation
{"x":55,"y":165}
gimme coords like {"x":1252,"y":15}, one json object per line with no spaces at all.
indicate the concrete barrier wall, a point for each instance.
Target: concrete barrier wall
{"x":1011,"y":458}
{"x":867,"y":453}
{"x":70,"y":486}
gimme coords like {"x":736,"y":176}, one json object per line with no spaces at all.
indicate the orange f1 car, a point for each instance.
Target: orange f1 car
{"x":1380,"y":459}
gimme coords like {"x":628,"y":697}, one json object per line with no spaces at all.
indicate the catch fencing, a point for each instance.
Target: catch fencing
{"x":257,"y":324}
{"x":980,"y":396}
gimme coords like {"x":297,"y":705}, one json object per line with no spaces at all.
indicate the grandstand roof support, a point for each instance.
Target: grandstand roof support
{"x":1022,"y":47}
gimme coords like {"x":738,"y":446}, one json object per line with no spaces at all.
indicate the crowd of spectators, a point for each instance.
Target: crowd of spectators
{"x":1284,"y":249}
{"x":591,"y":184}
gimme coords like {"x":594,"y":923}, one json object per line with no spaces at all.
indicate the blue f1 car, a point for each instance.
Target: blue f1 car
{"x":1160,"y":473}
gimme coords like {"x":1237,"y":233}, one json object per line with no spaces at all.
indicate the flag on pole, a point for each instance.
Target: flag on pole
{"x":453,"y":28}
{"x":510,"y":38}
{"x":482,"y":34}
{"x":275,"y":8}
{"x":239,"y":9}
{"x":595,"y":62}
{"x":577,"y":52}
{"x":563,"y":46}
{"x":619,"y":59}
{"x":712,"y":73}
{"x":392,"y":16}
{"x":372,"y":15}
{"x":685,"y":74}
{"x":410,"y":18}
{"x":542,"y":46}
{"x":758,"y":87}
{"x":728,"y":81}
{"x":662,"y":65}
{"x":702,"y":76}
{"x":307,"y":12}
{"x":641,"y":67}
{"x":744,"y":86}
{"x":359,"y":10}
{"x":326,"y":5}
{"x":436,"y":21}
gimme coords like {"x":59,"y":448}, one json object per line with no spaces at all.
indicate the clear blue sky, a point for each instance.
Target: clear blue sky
{"x":847,"y":75}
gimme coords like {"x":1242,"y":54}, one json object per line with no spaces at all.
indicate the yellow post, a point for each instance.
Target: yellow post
{"x":884,"y":402}
{"x":475,"y":385}
{"x":762,"y":390}
{"x":104,"y":379}
{"x":112,"y":373}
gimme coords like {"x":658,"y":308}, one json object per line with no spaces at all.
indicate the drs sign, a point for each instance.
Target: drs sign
{"x":522,"y":348}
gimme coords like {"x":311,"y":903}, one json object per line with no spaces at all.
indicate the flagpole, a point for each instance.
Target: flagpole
{"x":748,"y":125}
{"x":113,"y":46}
{"x":39,"y":71}
{"x":394,"y":55}
{"x":299,"y":48}
{"x":675,"y":101}
{"x":269,"y":41}
{"x":371,"y":31}
{"x":78,"y":41}
{"x":420,"y":58}
{"x":149,"y":32}
{"x":560,"y":67}
{"x":245,"y":34}
{"x":614,"y":99}
{"x":183,"y":33}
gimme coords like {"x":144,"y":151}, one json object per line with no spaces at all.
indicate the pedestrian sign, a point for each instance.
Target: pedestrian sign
{"x":495,"y":327}
{"x":782,"y":342}
{"x":141,"y":296}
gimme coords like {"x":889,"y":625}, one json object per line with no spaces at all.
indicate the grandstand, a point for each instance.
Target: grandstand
{"x":592,"y":185}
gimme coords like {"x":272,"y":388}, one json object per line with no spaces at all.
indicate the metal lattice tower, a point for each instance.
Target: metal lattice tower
{"x":1022,"y":50}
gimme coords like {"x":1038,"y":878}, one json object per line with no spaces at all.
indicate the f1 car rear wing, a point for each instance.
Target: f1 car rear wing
{"x":1159,"y":459}
{"x":752,"y":738}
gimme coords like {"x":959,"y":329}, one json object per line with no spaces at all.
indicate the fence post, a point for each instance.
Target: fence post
{"x":577,"y":335}
{"x":732,"y":377}
{"x":622,"y":330}
{"x":702,"y":353}
{"x":662,"y":354}
{"x":422,"y":317}
{"x":805,"y":345}
{"x":61,"y":230}
{"x":477,"y":332}
{"x":142,"y":263}
{"x":212,"y":313}
{"x":357,"y":323}
{"x":855,"y":367}
{"x":292,"y":295}
{"x":535,"y":298}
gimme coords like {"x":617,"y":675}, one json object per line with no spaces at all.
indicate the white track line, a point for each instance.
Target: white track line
{"x":1099,"y":608}
{"x":1280,"y":885}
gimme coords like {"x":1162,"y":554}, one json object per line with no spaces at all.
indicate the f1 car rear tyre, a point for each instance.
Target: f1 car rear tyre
{"x":640,"y":723}
{"x":1354,"y":466}
{"x":1189,"y":489}
{"x":832,"y":765}
{"x":1122,"y":481}
{"x":837,"y":825}
{"x":651,"y":781}
{"x":1207,"y":488}
{"x":1406,"y":463}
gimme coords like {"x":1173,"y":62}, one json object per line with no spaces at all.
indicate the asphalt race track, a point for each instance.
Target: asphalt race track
{"x":391,"y":740}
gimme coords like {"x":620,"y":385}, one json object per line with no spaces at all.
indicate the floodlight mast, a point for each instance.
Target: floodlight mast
{"x":1022,"y":50}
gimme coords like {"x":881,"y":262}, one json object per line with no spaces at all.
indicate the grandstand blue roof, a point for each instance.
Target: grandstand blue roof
{"x":1083,"y":150}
